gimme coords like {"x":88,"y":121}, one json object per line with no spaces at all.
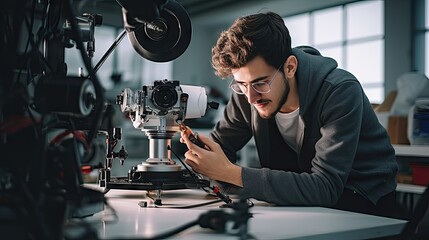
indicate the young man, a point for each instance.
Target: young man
{"x":319,"y":142}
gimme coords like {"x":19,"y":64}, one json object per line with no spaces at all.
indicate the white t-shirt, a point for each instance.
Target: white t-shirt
{"x":288,"y":126}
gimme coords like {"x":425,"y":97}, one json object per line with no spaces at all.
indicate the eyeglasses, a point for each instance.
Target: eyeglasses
{"x":260,"y":87}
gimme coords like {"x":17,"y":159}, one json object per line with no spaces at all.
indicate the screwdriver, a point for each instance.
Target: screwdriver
{"x":193,"y":137}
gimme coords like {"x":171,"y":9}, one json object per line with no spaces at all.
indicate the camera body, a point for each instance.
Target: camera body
{"x":162,"y":106}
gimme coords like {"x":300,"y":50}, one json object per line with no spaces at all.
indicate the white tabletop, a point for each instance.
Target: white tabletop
{"x":268,"y":222}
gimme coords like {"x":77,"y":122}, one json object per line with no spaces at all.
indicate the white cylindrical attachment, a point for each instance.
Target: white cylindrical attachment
{"x":197,"y":101}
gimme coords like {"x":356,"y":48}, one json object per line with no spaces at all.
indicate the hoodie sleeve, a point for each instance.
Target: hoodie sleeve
{"x":233,"y":131}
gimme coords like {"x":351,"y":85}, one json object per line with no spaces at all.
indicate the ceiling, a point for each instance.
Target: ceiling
{"x":111,"y":10}
{"x":211,"y":12}
{"x":198,"y":7}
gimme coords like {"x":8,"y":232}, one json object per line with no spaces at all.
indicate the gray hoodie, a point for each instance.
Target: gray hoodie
{"x":343,"y":144}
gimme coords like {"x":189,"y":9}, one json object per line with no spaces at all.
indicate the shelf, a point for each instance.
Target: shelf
{"x":411,"y":151}
{"x":410,"y":188}
{"x":419,"y":151}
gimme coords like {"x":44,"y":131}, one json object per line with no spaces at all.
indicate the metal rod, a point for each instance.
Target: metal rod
{"x":110,"y":50}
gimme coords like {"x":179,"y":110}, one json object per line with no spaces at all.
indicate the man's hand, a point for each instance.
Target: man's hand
{"x":211,"y":161}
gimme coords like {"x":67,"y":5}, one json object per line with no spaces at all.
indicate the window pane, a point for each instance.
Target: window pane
{"x":427,"y":54}
{"x":299,"y":28}
{"x":427,"y":13}
{"x":328,"y":26}
{"x":335,"y":53}
{"x":365,"y":19}
{"x":369,"y":70}
{"x":375,"y":95}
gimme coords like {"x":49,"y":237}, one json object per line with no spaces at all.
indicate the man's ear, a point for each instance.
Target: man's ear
{"x":290,"y":66}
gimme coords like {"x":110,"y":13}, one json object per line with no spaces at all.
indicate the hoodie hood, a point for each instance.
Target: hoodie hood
{"x":310,"y":79}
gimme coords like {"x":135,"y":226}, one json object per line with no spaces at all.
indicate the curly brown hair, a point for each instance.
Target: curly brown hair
{"x":262,"y":34}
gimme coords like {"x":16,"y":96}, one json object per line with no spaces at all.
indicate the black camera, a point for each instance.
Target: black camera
{"x":164,"y":94}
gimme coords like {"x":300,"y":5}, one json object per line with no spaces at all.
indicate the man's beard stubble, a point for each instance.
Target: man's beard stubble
{"x":282,"y":101}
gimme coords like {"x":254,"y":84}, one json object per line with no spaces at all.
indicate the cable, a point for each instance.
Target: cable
{"x":106,"y":190}
{"x":187,"y":206}
{"x":186,"y":167}
{"x":216,"y":190}
{"x":225,"y":198}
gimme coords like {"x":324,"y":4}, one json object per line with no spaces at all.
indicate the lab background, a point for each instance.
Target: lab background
{"x":385,"y":43}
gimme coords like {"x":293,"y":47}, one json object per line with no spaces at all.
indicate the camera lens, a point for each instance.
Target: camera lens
{"x":164,"y":96}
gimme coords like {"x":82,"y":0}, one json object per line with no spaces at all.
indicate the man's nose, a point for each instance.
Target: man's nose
{"x":252,"y":95}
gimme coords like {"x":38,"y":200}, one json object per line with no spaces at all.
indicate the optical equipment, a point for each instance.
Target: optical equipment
{"x":158,"y":111}
{"x":159,"y":30}
{"x":42,"y":178}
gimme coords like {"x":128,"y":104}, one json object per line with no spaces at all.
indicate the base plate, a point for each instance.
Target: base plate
{"x":157,"y":181}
